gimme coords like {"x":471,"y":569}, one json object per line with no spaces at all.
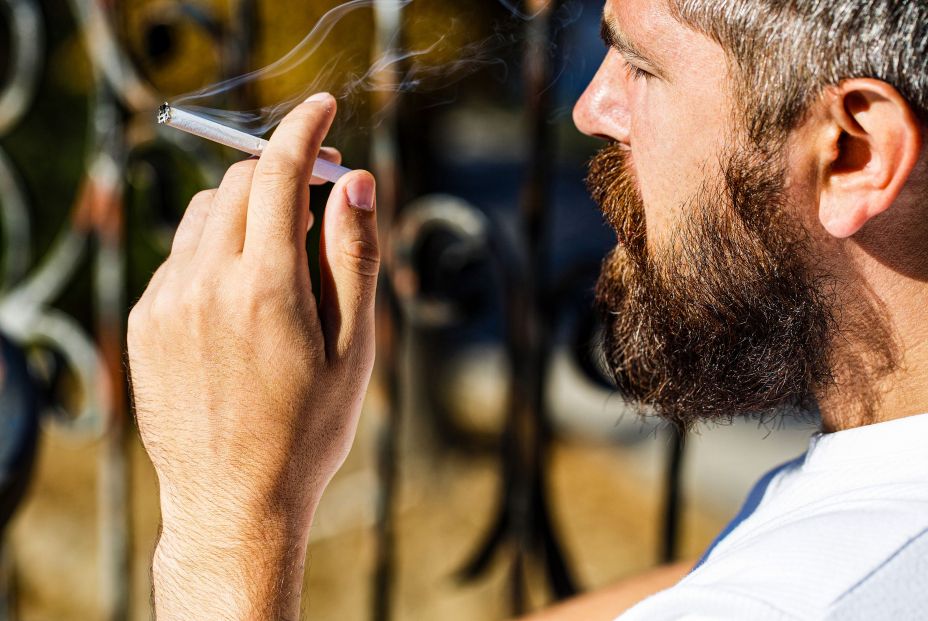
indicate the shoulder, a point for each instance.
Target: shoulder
{"x":810,"y":559}
{"x":897,"y":588}
{"x":809,"y":573}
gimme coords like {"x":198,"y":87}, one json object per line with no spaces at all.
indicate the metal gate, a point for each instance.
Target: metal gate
{"x":423,"y":231}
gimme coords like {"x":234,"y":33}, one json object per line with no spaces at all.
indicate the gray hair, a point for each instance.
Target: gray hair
{"x":785,"y":52}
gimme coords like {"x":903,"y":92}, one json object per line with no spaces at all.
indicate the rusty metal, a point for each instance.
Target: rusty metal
{"x":109,"y":58}
{"x":26,"y":55}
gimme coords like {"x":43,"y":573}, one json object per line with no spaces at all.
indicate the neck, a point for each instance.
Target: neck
{"x":881,"y":360}
{"x":867,"y":390}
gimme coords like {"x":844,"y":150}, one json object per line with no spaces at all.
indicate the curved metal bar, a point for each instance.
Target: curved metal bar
{"x":28,"y":290}
{"x":419,"y":219}
{"x":54,"y":329}
{"x":27,"y":37}
{"x":14,"y":215}
{"x":108,"y":57}
{"x":52,"y":275}
{"x":26,"y":315}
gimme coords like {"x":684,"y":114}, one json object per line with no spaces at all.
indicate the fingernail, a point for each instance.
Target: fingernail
{"x":360,"y":191}
{"x":318,"y":97}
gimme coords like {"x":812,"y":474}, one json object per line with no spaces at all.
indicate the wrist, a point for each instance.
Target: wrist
{"x":223,"y":573}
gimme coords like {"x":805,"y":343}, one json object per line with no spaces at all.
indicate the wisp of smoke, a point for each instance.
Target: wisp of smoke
{"x":396,"y":70}
{"x":292,"y":59}
{"x":518,"y":12}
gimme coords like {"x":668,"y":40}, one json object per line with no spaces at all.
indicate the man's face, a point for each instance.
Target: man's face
{"x":710,"y":305}
{"x":675,"y":121}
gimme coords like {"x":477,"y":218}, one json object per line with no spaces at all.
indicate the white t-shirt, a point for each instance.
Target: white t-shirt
{"x":839,"y":533}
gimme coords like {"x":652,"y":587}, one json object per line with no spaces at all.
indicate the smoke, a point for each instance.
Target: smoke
{"x":303,"y":51}
{"x":516,"y":11}
{"x":440,"y":58}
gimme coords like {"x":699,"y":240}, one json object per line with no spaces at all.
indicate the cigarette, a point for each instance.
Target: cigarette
{"x":216,"y":132}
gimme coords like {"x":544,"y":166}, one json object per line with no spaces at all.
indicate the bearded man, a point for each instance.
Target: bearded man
{"x":766,"y":177}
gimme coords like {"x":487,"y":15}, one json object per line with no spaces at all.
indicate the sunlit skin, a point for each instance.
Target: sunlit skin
{"x":856,"y":178}
{"x":672,"y":117}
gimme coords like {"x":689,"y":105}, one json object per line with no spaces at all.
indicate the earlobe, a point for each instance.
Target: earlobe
{"x":875,"y":143}
{"x":843,"y":222}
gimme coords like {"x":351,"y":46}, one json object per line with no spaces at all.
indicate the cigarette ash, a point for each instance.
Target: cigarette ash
{"x":164,"y":113}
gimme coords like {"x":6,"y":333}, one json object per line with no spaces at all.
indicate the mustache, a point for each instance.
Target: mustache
{"x":611,"y":183}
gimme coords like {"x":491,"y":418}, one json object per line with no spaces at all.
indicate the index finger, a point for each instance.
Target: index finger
{"x":278,"y":207}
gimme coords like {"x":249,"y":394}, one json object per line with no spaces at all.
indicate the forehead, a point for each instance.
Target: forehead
{"x":652,"y":13}
{"x":651,"y":25}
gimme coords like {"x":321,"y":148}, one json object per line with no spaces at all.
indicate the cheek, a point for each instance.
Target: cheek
{"x":674,"y":151}
{"x":803,"y":186}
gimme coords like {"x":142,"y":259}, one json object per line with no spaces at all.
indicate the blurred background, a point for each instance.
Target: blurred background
{"x":495,"y":470}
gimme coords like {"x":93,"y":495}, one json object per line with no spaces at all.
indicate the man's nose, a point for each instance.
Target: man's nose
{"x":602,"y":111}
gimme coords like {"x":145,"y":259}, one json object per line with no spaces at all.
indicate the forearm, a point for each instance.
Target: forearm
{"x":609,"y":603}
{"x":197,"y":575}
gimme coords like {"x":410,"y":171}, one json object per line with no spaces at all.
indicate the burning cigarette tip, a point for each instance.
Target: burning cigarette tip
{"x":164,"y":113}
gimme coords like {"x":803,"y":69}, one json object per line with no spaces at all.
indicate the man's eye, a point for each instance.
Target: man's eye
{"x":637,"y":73}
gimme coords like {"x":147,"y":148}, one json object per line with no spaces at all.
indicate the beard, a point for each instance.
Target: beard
{"x":729,"y":320}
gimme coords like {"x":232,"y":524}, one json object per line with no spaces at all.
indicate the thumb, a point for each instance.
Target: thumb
{"x":350,"y":264}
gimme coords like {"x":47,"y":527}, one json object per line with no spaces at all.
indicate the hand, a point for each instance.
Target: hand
{"x":247,"y":389}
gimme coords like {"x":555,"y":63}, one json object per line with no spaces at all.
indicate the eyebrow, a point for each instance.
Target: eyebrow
{"x":617,"y":40}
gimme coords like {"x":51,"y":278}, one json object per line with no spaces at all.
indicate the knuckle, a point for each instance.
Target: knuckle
{"x":272,"y":269}
{"x":137,"y":323}
{"x":197,"y":297}
{"x":163,"y":307}
{"x":362,"y":257}
{"x":282,"y":170}
{"x":256,"y":291}
{"x":353,"y":364}
{"x":357,"y":351}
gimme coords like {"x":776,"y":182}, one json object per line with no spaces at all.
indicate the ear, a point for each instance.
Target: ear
{"x":875,"y":143}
